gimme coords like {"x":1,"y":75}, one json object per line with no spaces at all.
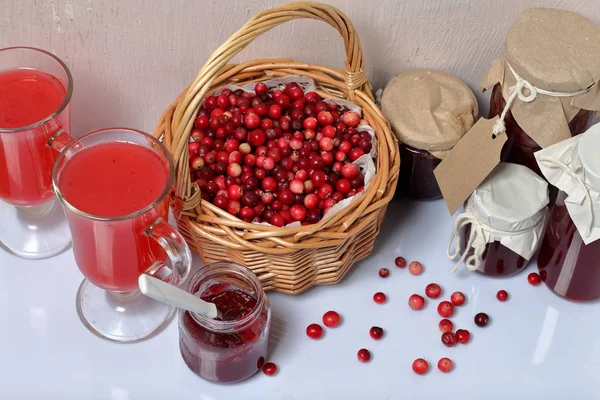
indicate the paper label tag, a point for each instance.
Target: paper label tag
{"x":469,"y":163}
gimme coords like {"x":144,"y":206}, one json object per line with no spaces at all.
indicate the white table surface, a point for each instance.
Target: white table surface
{"x":536,"y":346}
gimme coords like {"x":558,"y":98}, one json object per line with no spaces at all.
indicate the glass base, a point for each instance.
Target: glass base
{"x":34,"y":232}
{"x":123,"y":317}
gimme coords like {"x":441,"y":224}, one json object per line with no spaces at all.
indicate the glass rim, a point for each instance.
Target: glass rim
{"x":60,"y":108}
{"x":133,"y":214}
{"x":206,"y":272}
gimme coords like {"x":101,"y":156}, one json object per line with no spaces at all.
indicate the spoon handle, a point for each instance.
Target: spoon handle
{"x":169,"y":294}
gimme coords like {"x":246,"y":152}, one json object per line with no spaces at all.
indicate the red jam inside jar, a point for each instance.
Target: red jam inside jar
{"x":416,"y":174}
{"x":519,"y":147}
{"x":497,"y":260}
{"x":233,"y":346}
{"x":567,"y":266}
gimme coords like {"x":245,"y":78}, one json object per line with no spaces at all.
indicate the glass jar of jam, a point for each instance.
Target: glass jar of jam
{"x":569,"y":259}
{"x":503,"y":222}
{"x":429,"y":112}
{"x":544,"y":86}
{"x":233,"y":346}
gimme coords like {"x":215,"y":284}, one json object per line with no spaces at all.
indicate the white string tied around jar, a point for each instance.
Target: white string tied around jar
{"x":518,"y":91}
{"x":477,"y":240}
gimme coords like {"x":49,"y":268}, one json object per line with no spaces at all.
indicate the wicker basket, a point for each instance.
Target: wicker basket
{"x":288,"y":260}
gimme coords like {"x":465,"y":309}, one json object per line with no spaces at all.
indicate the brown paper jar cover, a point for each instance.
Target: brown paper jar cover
{"x":429,"y":112}
{"x":553,"y":50}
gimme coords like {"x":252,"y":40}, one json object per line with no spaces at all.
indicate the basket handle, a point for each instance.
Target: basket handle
{"x":183,"y":120}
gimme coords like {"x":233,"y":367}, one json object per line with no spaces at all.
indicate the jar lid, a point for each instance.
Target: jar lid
{"x":510,"y":199}
{"x":573,"y":166}
{"x":429,"y":110}
{"x":554,"y":49}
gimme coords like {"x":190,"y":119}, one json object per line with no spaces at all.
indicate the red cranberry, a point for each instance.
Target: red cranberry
{"x":312,"y":98}
{"x":313,"y":216}
{"x":268,"y":198}
{"x":314,"y":331}
{"x":296,"y":93}
{"x":269,"y":184}
{"x":331,"y":319}
{"x":379,"y":298}
{"x":318,"y":178}
{"x":328,"y":131}
{"x":449,"y":339}
{"x":363,"y":355}
{"x":210,"y":102}
{"x":298,"y":212}
{"x":277,"y":220}
{"x":343,"y":186}
{"x":420,"y":366}
{"x":356,"y":153}
{"x":197,"y":134}
{"x":260,"y":88}
{"x":482,"y":319}
{"x":282,"y":100}
{"x":446,"y":325}
{"x":457,"y":298}
{"x":376,"y":332}
{"x":324,"y":118}
{"x":445,"y":365}
{"x":235,"y":157}
{"x":311,"y":201}
{"x":221,"y":202}
{"x":502,"y":295}
{"x":433,"y":290}
{"x":269,"y":369}
{"x":257,"y":138}
{"x":415,"y":268}
{"x":233,"y":207}
{"x":261,"y":109}
{"x":249,"y":199}
{"x":286,"y":197}
{"x":400,"y":262}
{"x":197,"y":163}
{"x":246,"y":213}
{"x":416,"y":302}
{"x":384,"y":272}
{"x":252,"y":121}
{"x":350,"y":119}
{"x":534,"y":279}
{"x":310,"y":123}
{"x":234,"y":192}
{"x":463,"y":336}
{"x":287,"y":216}
{"x":321,"y":106}
{"x":445,"y":309}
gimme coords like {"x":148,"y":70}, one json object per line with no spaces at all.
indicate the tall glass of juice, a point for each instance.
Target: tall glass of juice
{"x":115,"y":185}
{"x":35,"y":95}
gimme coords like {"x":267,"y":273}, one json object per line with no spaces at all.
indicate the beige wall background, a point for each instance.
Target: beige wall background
{"x":130,"y":58}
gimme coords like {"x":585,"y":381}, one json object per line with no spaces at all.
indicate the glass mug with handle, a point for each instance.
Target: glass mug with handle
{"x":114,"y":185}
{"x":35,"y":95}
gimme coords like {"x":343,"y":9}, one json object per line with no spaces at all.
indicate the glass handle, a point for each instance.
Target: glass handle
{"x":175,"y":247}
{"x":59,"y":140}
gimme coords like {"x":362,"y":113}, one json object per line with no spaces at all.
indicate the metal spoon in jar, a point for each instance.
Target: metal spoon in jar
{"x":172,"y":295}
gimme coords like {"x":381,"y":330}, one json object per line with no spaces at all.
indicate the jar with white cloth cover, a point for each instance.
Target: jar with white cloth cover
{"x":569,"y":259}
{"x":502,"y":224}
{"x":546,"y":84}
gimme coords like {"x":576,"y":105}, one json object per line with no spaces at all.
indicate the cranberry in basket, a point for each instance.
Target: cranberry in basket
{"x":429,"y":112}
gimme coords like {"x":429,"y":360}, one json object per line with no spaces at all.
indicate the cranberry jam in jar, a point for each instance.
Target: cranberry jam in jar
{"x":429,"y":112}
{"x":569,"y":259}
{"x":545,"y":86}
{"x":503,"y":222}
{"x":233,"y":346}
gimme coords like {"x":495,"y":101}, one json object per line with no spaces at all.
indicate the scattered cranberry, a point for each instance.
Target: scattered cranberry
{"x":331,"y":319}
{"x":420,"y":366}
{"x":462,"y":336}
{"x":433,"y":290}
{"x":400,"y":261}
{"x":502,"y":295}
{"x":416,"y":302}
{"x":482,"y":319}
{"x":534,"y":279}
{"x":445,"y":309}
{"x":314,"y":331}
{"x":449,"y":339}
{"x":415,"y":268}
{"x":376,"y":332}
{"x":445,"y":365}
{"x":379,"y":298}
{"x":269,"y":369}
{"x":446,"y":325}
{"x":457,"y":298}
{"x":363,"y":355}
{"x":384,"y":272}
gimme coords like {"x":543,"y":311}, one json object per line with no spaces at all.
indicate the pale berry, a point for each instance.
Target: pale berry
{"x":416,"y":302}
{"x":331,"y":319}
{"x":457,"y":298}
{"x":415,"y":268}
{"x":445,"y":365}
{"x":420,"y":366}
{"x":445,"y":309}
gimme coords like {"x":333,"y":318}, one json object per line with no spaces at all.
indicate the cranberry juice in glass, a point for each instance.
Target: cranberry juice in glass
{"x":115,"y":185}
{"x":35,"y":93}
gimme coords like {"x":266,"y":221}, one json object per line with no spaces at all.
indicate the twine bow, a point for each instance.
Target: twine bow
{"x":526,"y":92}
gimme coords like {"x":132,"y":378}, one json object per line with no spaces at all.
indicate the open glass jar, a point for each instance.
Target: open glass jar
{"x":429,"y":112}
{"x":569,"y":260}
{"x":545,"y":86}
{"x":503,"y":222}
{"x":234,"y":346}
